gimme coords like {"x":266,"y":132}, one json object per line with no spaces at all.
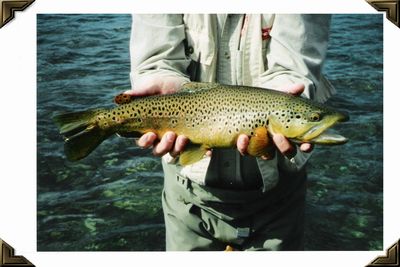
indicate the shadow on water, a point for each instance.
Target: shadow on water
{"x":112,"y":199}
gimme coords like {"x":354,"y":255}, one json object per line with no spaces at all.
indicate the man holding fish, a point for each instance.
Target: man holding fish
{"x":216,"y":197}
{"x":229,"y":199}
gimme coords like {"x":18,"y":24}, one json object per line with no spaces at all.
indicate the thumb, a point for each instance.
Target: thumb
{"x":146,"y":86}
{"x":144,"y":90}
{"x":293,"y":89}
{"x":154,"y":85}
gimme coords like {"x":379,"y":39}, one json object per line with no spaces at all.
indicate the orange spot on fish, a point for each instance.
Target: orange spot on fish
{"x":123,"y":99}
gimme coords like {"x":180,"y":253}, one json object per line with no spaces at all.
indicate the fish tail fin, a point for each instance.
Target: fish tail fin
{"x":81,"y":133}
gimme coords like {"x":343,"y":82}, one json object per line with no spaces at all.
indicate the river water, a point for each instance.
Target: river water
{"x":111,"y":200}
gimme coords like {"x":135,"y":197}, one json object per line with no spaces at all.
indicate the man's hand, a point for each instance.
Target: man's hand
{"x":156,"y":86}
{"x":169,"y":142}
{"x":281,"y":143}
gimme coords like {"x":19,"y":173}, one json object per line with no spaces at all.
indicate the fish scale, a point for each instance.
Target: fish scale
{"x":210,"y":115}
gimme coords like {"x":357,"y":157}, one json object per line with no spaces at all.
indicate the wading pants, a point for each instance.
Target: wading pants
{"x":206,"y":218}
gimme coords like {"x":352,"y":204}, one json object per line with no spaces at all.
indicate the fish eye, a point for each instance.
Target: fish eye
{"x":314,"y":116}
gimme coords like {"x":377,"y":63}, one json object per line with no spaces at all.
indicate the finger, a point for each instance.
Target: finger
{"x":306,"y":147}
{"x":165,"y":145}
{"x":242,"y":143}
{"x":267,"y":157}
{"x":283,"y":145}
{"x":180,"y":143}
{"x":269,"y":153}
{"x":293,"y":89}
{"x":147,"y":140}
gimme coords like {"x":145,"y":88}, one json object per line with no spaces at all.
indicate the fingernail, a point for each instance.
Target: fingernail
{"x":181,"y":143}
{"x":138,"y":143}
{"x":170,"y":137}
{"x":241,"y":142}
{"x":278,"y":138}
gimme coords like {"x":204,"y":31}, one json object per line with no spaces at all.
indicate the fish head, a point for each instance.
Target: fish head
{"x":307,"y":121}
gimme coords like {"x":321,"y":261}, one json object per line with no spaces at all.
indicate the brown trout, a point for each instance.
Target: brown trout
{"x":210,"y":115}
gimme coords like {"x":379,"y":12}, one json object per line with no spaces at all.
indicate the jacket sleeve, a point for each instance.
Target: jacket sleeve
{"x":157,"y":47}
{"x":296,"y":52}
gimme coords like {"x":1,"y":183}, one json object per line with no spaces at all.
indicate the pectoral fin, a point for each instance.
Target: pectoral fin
{"x":260,"y":144}
{"x":192,"y":154}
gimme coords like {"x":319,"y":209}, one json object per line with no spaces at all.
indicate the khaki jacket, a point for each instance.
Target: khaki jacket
{"x":274,"y":50}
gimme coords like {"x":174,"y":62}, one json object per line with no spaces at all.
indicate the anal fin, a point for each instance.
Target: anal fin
{"x":260,"y":144}
{"x":192,"y":154}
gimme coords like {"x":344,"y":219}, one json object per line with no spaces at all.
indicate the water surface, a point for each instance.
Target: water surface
{"x":112,"y":199}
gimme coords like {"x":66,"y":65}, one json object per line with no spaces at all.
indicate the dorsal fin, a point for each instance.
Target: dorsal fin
{"x":191,"y":87}
{"x":123,"y":99}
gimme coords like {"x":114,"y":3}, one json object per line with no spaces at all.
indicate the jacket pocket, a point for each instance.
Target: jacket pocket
{"x":200,"y":40}
{"x":200,"y":47}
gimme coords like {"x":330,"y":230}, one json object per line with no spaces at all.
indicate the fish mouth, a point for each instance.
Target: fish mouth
{"x":329,"y":138}
{"x":319,"y":133}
